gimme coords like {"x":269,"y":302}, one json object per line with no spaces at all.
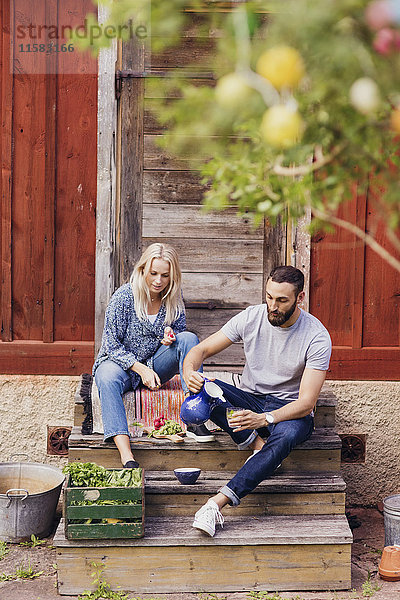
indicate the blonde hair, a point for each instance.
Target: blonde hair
{"x":171,"y":297}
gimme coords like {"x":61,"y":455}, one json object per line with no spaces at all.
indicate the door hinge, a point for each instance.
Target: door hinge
{"x":120,"y":75}
{"x":129,"y":74}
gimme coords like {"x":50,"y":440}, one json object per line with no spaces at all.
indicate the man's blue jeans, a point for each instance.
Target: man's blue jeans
{"x":282,"y":438}
{"x":112,"y":381}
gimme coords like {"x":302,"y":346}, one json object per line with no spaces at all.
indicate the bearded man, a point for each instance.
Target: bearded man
{"x":287,"y":354}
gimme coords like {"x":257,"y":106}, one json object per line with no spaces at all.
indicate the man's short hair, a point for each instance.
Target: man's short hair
{"x":288,"y":274}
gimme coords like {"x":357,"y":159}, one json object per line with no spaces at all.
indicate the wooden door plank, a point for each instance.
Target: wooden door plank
{"x":381,"y":314}
{"x":132,"y":157}
{"x":302,"y":254}
{"x":7,"y":89}
{"x":218,"y":255}
{"x":172,"y":187}
{"x":176,"y":221}
{"x":105,"y":272}
{"x":223,"y":290}
{"x":51,"y":17}
{"x":274,"y":250}
{"x":359,"y":218}
{"x":191,"y":53}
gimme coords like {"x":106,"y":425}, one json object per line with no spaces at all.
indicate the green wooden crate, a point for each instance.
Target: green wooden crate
{"x":135,"y":512}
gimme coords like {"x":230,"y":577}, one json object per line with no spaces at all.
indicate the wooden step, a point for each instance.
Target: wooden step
{"x":282,"y":494}
{"x":249,"y":553}
{"x":321,"y":453}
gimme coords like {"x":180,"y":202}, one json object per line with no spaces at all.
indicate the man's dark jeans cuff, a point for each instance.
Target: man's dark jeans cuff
{"x":233,"y":499}
{"x":248,"y":441}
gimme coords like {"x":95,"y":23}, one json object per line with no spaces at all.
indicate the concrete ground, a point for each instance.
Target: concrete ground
{"x":368,"y":530}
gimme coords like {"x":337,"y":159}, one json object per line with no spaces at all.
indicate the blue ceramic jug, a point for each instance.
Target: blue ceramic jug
{"x":196,"y":409}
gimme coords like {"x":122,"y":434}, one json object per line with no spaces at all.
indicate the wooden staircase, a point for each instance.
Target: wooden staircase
{"x":291,"y":533}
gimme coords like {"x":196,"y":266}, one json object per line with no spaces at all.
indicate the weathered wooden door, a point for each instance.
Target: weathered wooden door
{"x":224,"y":259}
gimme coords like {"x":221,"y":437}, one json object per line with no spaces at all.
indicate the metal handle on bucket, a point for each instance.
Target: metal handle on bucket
{"x":19,"y":454}
{"x":21,"y":496}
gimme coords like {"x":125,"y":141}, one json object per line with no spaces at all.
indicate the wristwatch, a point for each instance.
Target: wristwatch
{"x":269,"y":418}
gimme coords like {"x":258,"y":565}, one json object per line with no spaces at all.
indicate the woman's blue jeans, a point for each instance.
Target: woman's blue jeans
{"x":282,"y":438}
{"x":112,"y":381}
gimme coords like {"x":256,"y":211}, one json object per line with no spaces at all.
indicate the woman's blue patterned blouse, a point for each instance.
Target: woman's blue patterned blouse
{"x":126,"y":339}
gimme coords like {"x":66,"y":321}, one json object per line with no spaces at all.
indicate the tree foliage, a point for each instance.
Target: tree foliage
{"x":348,"y":137}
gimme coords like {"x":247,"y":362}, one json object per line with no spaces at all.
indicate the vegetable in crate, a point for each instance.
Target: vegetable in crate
{"x":92,"y":475}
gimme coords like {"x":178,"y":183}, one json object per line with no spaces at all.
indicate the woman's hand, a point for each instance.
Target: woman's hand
{"x":169,"y":336}
{"x":149,"y":378}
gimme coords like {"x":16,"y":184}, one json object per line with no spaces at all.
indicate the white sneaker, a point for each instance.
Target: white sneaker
{"x":207,"y":516}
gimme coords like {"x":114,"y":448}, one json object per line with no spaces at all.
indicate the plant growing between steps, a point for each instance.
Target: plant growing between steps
{"x":34,"y":542}
{"x":266,"y":596}
{"x":369,"y":588}
{"x":103,"y":590}
{"x":4,"y":549}
{"x":21,"y":572}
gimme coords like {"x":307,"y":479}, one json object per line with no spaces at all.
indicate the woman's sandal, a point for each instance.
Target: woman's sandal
{"x":131,"y":464}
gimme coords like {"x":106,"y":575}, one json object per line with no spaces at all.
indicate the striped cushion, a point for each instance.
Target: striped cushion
{"x":165,"y":401}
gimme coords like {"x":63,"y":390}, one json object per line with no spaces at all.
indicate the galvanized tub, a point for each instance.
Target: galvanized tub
{"x":391,"y":517}
{"x":29,"y":494}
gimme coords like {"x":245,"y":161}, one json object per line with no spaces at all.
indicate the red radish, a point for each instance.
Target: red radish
{"x":159,"y":422}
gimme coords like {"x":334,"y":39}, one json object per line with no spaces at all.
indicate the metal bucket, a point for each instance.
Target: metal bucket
{"x":29,"y":494}
{"x":391,"y":517}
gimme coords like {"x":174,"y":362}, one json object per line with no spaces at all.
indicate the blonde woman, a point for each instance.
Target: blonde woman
{"x":144,"y":340}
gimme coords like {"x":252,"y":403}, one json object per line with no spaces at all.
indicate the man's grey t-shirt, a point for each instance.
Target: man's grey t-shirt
{"x":277,"y":356}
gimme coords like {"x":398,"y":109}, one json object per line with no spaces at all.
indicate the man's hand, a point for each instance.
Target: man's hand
{"x":194,"y":380}
{"x":195,"y":357}
{"x":247,"y":419}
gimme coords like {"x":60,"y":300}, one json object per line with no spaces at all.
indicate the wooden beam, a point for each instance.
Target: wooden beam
{"x":131,"y":117}
{"x":7,"y":83}
{"x":377,"y":363}
{"x":105,"y":275}
{"x":50,"y":182}
{"x":38,"y":358}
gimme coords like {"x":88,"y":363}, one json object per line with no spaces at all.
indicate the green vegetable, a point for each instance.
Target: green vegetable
{"x":92,"y":475}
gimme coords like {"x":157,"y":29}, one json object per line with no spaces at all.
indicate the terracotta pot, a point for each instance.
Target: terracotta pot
{"x":389,"y":567}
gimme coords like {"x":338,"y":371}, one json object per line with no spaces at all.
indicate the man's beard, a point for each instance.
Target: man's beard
{"x":277,"y":319}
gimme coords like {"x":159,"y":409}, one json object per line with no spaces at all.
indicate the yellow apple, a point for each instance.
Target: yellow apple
{"x":282,"y":66}
{"x":232,"y":91}
{"x":281,"y":127}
